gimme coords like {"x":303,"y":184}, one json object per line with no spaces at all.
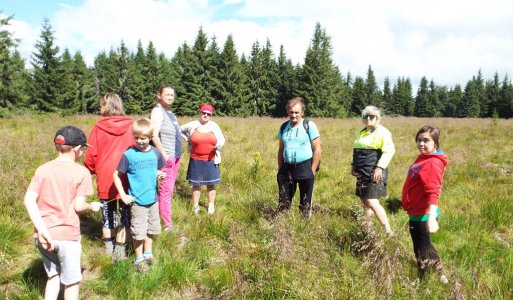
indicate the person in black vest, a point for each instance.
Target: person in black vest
{"x":299,"y":155}
{"x":373,"y":150}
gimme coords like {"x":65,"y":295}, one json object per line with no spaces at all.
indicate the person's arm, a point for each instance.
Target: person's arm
{"x":127,"y":199}
{"x":432,"y":223}
{"x":91,"y":153}
{"x":316,"y":147}
{"x":280,"y":154}
{"x":81,"y":205}
{"x":219,"y":136}
{"x":156,"y":120}
{"x":387,"y":152}
{"x":35,"y":216}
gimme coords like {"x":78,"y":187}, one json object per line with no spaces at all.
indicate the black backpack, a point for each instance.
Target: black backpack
{"x":306,"y":125}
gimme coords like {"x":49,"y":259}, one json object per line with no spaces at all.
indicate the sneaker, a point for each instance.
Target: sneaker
{"x":196,"y":209}
{"x":149,"y":260}
{"x":141,"y":267}
{"x":211,"y":208}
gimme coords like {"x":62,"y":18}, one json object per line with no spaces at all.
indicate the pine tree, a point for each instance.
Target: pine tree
{"x":505,"y":102}
{"x":492,"y":94}
{"x":232,"y":99}
{"x":453,"y":106}
{"x":320,"y":80}
{"x":13,"y":76}
{"x":287,"y":83}
{"x":269,"y":82}
{"x":46,"y":77}
{"x":359,"y":96}
{"x":66,"y":97}
{"x":372,"y":90}
{"x":483,"y":100}
{"x":212,"y":82}
{"x":422,"y":100}
{"x":86,"y":95}
{"x":470,"y":100}
{"x":433,"y":105}
{"x":387,"y":96}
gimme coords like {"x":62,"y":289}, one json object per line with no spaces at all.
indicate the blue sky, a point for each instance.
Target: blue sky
{"x":445,"y":40}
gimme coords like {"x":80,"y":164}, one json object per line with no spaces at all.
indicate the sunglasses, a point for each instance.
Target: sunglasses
{"x":370,"y":117}
{"x":206,"y":113}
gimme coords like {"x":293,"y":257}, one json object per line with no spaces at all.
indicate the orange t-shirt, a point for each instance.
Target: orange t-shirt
{"x":57,"y":184}
{"x":202,"y":145}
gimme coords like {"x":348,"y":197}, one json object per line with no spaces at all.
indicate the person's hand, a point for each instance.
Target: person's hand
{"x":127,"y":199}
{"x":161,"y":175}
{"x":432,"y":224}
{"x":45,"y":240}
{"x":377,"y":175}
{"x":95,"y":206}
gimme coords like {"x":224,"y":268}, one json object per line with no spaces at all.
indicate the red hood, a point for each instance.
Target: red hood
{"x":117,"y":125}
{"x":438,"y":155}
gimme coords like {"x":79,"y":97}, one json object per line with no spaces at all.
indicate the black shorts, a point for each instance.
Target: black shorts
{"x":368,"y":189}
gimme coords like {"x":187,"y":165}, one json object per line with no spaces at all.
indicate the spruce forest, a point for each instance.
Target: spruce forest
{"x":238,"y":85}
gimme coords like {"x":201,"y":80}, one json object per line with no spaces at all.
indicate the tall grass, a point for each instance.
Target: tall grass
{"x":246,"y":251}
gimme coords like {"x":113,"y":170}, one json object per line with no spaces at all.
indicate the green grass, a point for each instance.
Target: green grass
{"x":245,"y":251}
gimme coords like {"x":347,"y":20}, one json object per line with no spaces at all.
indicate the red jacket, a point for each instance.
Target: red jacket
{"x":424,"y":183}
{"x":109,"y":138}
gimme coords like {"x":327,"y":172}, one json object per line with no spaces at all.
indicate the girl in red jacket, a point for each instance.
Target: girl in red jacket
{"x":109,"y":138}
{"x":421,"y":192}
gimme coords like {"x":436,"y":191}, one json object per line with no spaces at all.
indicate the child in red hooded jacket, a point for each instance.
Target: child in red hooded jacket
{"x":110,"y":137}
{"x":421,"y":192}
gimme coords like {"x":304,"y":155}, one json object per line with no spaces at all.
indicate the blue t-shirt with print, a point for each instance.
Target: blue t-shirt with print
{"x":297,"y":143}
{"x":141,"y":168}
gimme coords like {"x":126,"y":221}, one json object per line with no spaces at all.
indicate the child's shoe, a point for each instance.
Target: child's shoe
{"x":149,"y":260}
{"x":211,"y":208}
{"x":141,"y":267}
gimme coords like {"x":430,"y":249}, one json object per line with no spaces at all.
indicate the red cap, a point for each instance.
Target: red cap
{"x":207,"y":108}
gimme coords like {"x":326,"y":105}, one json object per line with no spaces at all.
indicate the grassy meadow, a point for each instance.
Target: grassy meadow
{"x":245,"y":251}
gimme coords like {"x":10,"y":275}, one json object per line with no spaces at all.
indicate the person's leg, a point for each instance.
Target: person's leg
{"x":71,"y":291}
{"x":286,"y":189}
{"x":379,"y":211}
{"x":167,"y":186}
{"x":53,"y":286}
{"x":211,"y":189}
{"x":420,"y":238}
{"x":305,"y":199}
{"x":107,"y":226}
{"x":196,"y":192}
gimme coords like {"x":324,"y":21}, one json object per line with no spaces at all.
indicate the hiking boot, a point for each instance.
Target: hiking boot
{"x":141,"y":267}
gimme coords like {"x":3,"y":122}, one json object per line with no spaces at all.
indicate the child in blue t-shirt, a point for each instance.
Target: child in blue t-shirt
{"x":141,"y":164}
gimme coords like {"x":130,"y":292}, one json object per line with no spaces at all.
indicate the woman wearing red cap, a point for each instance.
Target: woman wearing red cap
{"x":205,"y":139}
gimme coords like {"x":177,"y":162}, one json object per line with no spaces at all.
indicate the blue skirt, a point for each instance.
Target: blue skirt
{"x":203,"y":172}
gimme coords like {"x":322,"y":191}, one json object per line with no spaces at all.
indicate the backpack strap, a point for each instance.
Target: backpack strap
{"x":282,"y":127}
{"x":307,"y":127}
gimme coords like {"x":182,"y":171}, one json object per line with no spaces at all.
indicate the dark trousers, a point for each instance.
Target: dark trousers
{"x":425,"y":252}
{"x":289,"y":177}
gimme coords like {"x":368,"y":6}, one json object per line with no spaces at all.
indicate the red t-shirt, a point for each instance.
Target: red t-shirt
{"x":57,"y":184}
{"x":202,"y":145}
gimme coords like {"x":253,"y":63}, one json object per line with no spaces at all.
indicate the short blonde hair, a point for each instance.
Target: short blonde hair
{"x":372,"y":110}
{"x":143,"y":127}
{"x":111,"y":105}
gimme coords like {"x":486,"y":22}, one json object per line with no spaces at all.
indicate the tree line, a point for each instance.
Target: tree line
{"x":258,"y":84}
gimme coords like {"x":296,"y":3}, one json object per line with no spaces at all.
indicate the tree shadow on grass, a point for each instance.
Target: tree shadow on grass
{"x":91,"y":225}
{"x":35,"y":276}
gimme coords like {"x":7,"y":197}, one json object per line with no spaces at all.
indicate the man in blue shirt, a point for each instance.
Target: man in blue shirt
{"x":299,"y":155}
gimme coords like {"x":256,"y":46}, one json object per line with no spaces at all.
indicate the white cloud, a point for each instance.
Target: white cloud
{"x":445,"y":40}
